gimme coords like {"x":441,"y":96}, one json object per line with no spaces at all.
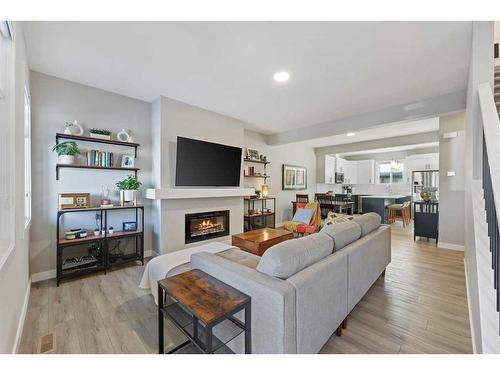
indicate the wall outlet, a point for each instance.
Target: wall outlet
{"x":450,"y":173}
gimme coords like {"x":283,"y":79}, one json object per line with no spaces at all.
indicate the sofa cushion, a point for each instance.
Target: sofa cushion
{"x":303,"y":215}
{"x":289,"y":257}
{"x":342,"y":233}
{"x":368,"y":222}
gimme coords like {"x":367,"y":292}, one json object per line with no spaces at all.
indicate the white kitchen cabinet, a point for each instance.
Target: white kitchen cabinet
{"x":422,"y":162}
{"x":350,"y":172}
{"x":365,"y":172}
{"x":329,"y":169}
{"x":340,"y":165}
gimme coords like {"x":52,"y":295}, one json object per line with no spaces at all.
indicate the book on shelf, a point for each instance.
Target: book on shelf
{"x":100,"y":158}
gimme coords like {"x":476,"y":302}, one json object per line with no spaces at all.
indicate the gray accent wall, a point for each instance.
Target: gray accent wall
{"x":55,"y":101}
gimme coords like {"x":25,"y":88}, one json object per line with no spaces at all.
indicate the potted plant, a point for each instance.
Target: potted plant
{"x":67,"y":152}
{"x":96,"y":232}
{"x":128,"y":189}
{"x":111,"y":230}
{"x":100,"y":133}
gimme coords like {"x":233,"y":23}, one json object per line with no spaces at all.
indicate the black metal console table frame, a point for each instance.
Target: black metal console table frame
{"x":102,"y":240}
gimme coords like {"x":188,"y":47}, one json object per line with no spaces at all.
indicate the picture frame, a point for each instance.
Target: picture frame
{"x":128,"y":161}
{"x":129,"y":226}
{"x":294,"y":177}
{"x":252,"y":154}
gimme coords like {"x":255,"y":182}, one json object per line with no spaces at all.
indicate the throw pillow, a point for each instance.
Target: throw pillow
{"x":303,"y":215}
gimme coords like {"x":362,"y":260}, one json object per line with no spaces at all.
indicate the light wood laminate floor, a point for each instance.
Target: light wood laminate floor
{"x":419,"y":307}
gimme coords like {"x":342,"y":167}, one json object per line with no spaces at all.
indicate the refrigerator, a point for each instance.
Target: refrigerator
{"x":427,"y":180}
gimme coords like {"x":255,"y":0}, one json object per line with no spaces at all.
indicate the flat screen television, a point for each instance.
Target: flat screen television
{"x":202,"y":163}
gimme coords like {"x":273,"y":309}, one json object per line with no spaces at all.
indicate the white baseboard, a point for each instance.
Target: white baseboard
{"x":451,"y":246}
{"x":472,"y":334}
{"x":45,"y":275}
{"x":22,"y":318}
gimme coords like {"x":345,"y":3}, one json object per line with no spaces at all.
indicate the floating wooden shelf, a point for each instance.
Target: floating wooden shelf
{"x":95,"y":140}
{"x":80,"y":166}
{"x":256,"y":161}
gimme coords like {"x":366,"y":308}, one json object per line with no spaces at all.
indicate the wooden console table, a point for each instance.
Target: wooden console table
{"x":200,"y":303}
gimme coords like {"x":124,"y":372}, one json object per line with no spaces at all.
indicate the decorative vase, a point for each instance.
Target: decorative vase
{"x":123,"y":136}
{"x":128,"y":197}
{"x":66,"y":159}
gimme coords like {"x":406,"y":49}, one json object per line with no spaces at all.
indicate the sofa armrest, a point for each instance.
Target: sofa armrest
{"x":273,"y":303}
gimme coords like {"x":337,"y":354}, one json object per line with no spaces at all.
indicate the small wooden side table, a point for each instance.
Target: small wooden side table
{"x":259,"y":240}
{"x":200,"y":303}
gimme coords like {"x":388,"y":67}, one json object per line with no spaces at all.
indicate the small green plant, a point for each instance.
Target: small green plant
{"x":67,"y":148}
{"x":100,"y":131}
{"x":129,"y":183}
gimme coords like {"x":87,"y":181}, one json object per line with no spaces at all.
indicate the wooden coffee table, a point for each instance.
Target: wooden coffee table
{"x":259,"y":240}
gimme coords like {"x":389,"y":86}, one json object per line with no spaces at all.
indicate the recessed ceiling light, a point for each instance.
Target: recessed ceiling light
{"x":281,"y":76}
{"x":351,"y":134}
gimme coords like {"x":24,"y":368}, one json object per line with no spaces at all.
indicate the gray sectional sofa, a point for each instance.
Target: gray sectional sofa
{"x":302,"y":289}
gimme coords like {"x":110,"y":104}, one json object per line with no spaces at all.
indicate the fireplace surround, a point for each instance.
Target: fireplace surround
{"x":203,"y":226}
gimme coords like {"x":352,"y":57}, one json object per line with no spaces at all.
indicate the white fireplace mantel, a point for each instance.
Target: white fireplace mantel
{"x":179,"y":193}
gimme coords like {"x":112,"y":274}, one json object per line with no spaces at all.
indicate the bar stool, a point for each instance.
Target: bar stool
{"x":394,"y":209}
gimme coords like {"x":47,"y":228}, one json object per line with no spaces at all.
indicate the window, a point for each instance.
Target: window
{"x":390,"y":172}
{"x":27,"y":157}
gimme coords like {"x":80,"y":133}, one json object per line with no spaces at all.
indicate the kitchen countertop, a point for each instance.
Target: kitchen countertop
{"x":385,"y":196}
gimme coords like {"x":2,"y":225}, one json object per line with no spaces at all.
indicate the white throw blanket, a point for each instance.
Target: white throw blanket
{"x":159,"y":267}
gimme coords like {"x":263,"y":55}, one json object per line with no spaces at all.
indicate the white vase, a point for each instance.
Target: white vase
{"x":66,"y":159}
{"x":123,"y":136}
{"x":128,"y":197}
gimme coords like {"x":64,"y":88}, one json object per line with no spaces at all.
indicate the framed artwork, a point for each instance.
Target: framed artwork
{"x":294,"y":177}
{"x":252,"y":154}
{"x":128,"y":161}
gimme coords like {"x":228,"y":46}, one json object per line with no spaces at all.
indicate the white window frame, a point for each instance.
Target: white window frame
{"x":377,"y":171}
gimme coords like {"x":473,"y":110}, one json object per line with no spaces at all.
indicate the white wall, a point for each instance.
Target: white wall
{"x":452,"y":189}
{"x":171,"y":119}
{"x":480,"y":71}
{"x":14,"y":273}
{"x":55,"y":101}
{"x":294,"y":154}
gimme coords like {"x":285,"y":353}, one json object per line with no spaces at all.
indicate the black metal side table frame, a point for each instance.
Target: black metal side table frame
{"x":193,"y":335}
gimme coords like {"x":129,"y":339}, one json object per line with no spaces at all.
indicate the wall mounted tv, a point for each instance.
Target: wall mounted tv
{"x":202,"y":163}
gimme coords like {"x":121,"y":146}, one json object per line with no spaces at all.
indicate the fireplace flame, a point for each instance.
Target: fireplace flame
{"x":207,"y":226}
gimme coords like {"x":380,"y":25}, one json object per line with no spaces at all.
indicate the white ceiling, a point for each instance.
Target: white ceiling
{"x":338,"y":69}
{"x":378,"y":132}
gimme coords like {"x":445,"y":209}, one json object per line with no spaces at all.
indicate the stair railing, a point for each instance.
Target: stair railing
{"x":491,"y":177}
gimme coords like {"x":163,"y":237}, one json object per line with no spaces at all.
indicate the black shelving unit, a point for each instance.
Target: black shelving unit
{"x":95,"y":140}
{"x":264,"y":175}
{"x":426,"y":220}
{"x":101,"y":243}
{"x":262,"y":219}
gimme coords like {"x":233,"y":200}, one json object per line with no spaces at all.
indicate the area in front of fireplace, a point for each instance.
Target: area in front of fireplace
{"x":203,"y":226}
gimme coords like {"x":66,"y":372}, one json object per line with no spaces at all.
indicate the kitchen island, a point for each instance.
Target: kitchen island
{"x":378,"y":203}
